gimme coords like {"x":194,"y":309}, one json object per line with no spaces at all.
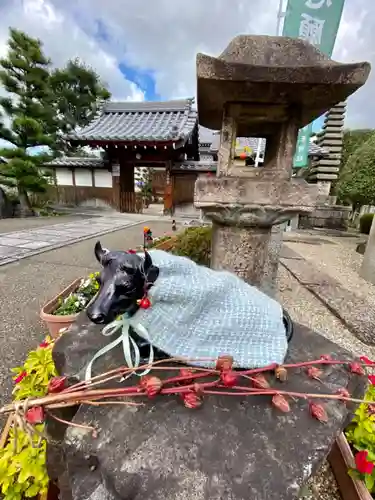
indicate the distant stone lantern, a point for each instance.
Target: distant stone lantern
{"x":266,"y":87}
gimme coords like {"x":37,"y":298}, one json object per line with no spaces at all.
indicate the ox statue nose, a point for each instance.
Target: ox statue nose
{"x":96,"y":317}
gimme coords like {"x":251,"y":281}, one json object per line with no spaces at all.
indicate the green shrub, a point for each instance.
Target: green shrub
{"x":365,"y":223}
{"x":195,"y":243}
{"x":361,"y":436}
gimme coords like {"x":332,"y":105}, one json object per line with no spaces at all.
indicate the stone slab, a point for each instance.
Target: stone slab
{"x":288,"y":253}
{"x":231,"y":448}
{"x":6,"y":252}
{"x":355,"y":312}
{"x":13,"y":242}
{"x":58,"y":235}
{"x":304,"y":272}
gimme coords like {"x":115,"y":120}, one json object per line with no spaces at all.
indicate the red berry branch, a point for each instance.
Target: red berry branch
{"x":191,"y":384}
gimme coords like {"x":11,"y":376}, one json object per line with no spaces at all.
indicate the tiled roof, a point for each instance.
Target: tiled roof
{"x":169,"y":121}
{"x":76,"y":161}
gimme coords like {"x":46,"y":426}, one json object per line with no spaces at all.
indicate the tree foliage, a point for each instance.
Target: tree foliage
{"x":352,"y":140}
{"x":43,"y":105}
{"x":357,"y":181}
{"x":78,"y":94}
{"x":25,"y":77}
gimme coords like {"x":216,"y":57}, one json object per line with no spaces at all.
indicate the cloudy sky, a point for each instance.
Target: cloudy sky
{"x":146,"y":49}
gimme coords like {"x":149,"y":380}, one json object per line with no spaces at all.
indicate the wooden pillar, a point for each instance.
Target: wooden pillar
{"x":168,"y":190}
{"x":127,"y":194}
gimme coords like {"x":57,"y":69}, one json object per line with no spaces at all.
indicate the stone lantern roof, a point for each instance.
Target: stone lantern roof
{"x":274,"y":76}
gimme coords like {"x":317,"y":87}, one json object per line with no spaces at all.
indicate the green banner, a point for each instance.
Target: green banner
{"x":316,"y":21}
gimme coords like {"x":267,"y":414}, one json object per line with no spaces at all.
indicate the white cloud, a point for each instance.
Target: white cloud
{"x":165,"y":35}
{"x":64,"y":39}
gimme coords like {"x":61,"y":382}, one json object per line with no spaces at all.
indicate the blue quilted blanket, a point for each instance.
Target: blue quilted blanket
{"x":197,"y":312}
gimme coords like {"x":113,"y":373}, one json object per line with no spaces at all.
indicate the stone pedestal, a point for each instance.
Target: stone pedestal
{"x":231,"y":448}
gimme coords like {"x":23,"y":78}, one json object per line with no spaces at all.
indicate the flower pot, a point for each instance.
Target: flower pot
{"x":56,"y":323}
{"x":341,"y":459}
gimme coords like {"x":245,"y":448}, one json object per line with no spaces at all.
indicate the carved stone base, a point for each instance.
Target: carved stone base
{"x":241,"y":251}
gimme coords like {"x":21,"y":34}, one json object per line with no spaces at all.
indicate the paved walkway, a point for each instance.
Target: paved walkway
{"x":17,"y":245}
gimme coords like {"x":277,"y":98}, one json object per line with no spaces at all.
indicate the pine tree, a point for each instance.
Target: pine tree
{"x":79,"y":93}
{"x":42,"y":107}
{"x":24,"y":115}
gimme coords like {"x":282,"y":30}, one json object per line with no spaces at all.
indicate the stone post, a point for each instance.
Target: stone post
{"x":255,"y":89}
{"x":367,"y":270}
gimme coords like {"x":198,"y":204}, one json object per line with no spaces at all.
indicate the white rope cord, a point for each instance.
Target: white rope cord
{"x":123,"y":323}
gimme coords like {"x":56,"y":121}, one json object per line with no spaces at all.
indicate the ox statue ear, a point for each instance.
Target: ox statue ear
{"x":150,"y":271}
{"x":147,"y":263}
{"x":99,"y":251}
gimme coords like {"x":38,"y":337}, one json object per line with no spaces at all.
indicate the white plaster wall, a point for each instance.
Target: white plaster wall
{"x":83,"y":177}
{"x":64,"y":177}
{"x":103,"y":178}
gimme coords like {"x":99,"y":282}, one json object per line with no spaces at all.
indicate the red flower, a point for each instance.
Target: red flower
{"x":260,"y":381}
{"x":281,"y":373}
{"x":152,"y":385}
{"x":326,"y":357}
{"x":280,"y":403}
{"x":191,"y":400}
{"x":317,"y":411}
{"x":56,"y":384}
{"x":371,"y":379}
{"x":20,"y":377}
{"x":356,"y":368}
{"x":224,"y":363}
{"x":35,"y":415}
{"x":229,"y":378}
{"x":187,"y":372}
{"x":314,"y":372}
{"x":362,"y":464}
{"x":366,"y":360}
{"x":343,"y":392}
{"x":131,"y":251}
{"x":44,"y":344}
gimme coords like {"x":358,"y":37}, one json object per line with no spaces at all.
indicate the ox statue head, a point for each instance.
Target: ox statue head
{"x":125,"y":278}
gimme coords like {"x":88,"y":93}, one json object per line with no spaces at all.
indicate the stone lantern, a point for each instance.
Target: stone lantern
{"x":270,"y":87}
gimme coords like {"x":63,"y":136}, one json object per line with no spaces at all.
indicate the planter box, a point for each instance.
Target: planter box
{"x":56,"y":323}
{"x":165,"y":245}
{"x":53,"y":491}
{"x":341,"y":459}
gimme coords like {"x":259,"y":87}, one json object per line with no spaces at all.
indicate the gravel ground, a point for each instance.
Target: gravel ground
{"x":27,"y":284}
{"x":306,"y":309}
{"x":8,"y":225}
{"x":339,"y":259}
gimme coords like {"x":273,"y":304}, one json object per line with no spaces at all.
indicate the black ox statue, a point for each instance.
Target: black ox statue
{"x":127,"y":279}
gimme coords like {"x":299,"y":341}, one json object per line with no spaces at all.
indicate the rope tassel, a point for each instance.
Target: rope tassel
{"x":128,"y":344}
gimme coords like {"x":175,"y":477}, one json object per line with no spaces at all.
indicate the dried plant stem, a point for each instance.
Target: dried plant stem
{"x":100,"y":403}
{"x":72,"y":424}
{"x":124,"y":370}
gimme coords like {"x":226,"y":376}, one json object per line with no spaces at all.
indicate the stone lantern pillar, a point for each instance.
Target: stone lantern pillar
{"x":268,"y":87}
